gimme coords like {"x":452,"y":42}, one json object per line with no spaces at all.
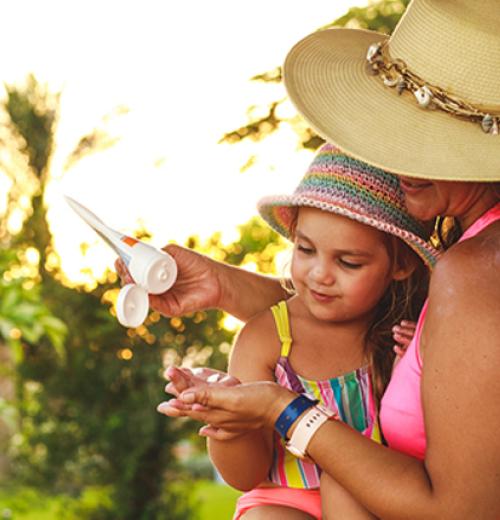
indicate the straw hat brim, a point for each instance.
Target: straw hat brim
{"x":326,"y":79}
{"x":278,"y":212}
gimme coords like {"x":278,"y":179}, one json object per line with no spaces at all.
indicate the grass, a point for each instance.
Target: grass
{"x":213,"y":502}
{"x":27,"y":504}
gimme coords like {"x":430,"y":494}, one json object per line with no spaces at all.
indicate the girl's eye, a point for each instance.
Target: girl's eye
{"x":349,"y":265}
{"x":304,"y":249}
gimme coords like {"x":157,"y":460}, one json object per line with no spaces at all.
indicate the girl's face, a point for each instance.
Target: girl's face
{"x":427,"y":199}
{"x":340,"y":268}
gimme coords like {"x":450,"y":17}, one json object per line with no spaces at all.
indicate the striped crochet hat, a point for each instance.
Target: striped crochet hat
{"x":338,"y":183}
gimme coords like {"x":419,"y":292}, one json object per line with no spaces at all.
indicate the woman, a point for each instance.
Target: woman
{"x":424,"y":104}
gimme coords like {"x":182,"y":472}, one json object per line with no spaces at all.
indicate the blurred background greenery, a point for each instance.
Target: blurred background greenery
{"x":79,"y":435}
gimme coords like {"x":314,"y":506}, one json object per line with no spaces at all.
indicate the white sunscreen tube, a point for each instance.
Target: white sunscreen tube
{"x":152,"y":269}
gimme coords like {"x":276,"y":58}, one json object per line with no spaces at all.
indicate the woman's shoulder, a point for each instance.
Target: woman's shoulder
{"x":464,"y":291}
{"x":464,"y":307}
{"x":475,"y":261}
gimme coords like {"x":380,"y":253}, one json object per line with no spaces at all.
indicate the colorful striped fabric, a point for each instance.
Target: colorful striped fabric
{"x":350,"y":395}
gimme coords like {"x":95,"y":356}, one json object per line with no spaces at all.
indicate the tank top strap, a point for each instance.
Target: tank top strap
{"x":492,"y":215}
{"x":280,"y":314}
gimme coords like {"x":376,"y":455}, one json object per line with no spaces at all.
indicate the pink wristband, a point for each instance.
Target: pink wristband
{"x":307,"y":426}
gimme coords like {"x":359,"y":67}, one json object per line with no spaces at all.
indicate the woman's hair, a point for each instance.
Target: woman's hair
{"x":402,"y":300}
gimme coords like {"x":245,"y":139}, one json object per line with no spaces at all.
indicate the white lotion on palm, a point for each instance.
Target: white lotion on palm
{"x":153,"y":270}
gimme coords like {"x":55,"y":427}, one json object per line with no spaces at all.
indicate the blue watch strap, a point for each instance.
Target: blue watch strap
{"x":292,"y":412}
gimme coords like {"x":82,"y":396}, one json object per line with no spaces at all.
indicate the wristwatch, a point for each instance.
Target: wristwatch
{"x":307,"y":427}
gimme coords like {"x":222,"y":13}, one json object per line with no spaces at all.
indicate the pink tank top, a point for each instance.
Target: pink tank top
{"x":401,"y":414}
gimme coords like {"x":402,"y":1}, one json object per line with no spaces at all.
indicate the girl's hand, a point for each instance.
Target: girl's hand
{"x":184,"y":378}
{"x":403,"y":334}
{"x":236,"y":408}
{"x":197,"y":286}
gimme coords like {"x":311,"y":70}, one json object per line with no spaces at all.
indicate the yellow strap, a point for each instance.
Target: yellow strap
{"x":280,"y":313}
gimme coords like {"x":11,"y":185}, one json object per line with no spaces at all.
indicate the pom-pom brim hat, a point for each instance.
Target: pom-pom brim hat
{"x":452,"y":46}
{"x":343,"y":185}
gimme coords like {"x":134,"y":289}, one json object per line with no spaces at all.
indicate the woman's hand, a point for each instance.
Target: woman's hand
{"x":235,"y":408}
{"x":402,"y":335}
{"x":197,"y":286}
{"x":203,"y":283}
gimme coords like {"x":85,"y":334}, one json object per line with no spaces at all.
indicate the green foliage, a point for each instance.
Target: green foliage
{"x":32,"y":111}
{"x":86,"y":409}
{"x":24,"y":318}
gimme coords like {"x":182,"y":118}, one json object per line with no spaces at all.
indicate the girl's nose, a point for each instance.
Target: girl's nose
{"x":322,"y":274}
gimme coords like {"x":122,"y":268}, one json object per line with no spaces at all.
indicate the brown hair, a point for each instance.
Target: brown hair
{"x":402,"y":300}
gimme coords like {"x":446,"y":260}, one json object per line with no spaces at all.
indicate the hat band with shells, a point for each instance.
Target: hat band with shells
{"x":395,"y":74}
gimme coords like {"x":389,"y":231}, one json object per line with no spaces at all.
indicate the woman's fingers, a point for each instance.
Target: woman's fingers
{"x":122,"y":271}
{"x":402,"y":335}
{"x":259,"y":402}
{"x":174,"y":408}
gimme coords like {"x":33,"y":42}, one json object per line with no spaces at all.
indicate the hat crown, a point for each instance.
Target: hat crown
{"x":454,"y":45}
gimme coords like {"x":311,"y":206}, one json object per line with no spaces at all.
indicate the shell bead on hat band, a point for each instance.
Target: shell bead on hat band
{"x":394,"y":73}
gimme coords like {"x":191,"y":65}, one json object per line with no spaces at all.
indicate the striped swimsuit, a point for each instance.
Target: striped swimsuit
{"x":350,"y":395}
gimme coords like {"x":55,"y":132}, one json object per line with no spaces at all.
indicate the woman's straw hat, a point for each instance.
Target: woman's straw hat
{"x":343,"y":185}
{"x":372,"y":105}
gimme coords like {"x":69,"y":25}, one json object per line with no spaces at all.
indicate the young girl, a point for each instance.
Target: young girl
{"x":354,"y":277}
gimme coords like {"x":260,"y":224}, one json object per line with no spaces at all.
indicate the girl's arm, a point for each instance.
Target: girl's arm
{"x":460,"y":476}
{"x":244,"y":461}
{"x":203,"y":283}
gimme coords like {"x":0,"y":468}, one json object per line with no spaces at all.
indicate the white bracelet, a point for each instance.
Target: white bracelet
{"x":307,"y":426}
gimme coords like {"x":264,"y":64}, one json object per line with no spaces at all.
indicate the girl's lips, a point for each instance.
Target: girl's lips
{"x":412,"y":186}
{"x":321,"y":297}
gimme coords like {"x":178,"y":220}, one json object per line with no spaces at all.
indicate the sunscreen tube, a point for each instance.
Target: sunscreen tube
{"x":153,"y":270}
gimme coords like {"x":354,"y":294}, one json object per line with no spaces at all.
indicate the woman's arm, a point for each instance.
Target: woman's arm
{"x":203,"y":283}
{"x":460,"y":476}
{"x":244,"y":461}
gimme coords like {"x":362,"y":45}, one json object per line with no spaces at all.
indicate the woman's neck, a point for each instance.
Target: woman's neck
{"x":477,"y":208}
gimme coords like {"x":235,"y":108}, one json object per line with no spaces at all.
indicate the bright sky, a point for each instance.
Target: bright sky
{"x":182,"y":68}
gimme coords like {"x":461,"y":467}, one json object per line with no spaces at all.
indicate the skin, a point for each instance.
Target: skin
{"x":459,"y":478}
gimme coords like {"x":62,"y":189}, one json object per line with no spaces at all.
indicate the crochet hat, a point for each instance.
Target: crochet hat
{"x":424,"y":102}
{"x":340,"y":184}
